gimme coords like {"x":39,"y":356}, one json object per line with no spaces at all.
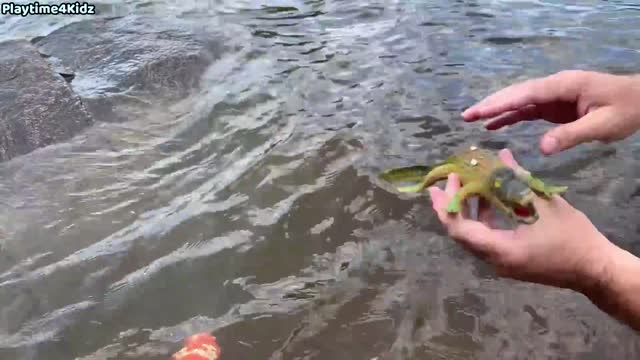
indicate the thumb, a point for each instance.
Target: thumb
{"x":593,"y":126}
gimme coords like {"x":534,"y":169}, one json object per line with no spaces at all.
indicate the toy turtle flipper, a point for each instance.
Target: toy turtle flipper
{"x":538,"y":186}
{"x":420,"y":176}
{"x":411,"y":174}
{"x":404,"y":174}
{"x":541,"y":188}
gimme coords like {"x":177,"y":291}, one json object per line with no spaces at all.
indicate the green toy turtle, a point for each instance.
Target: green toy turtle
{"x":482,"y":174}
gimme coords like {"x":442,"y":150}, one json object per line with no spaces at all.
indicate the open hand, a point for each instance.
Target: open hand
{"x":590,"y":106}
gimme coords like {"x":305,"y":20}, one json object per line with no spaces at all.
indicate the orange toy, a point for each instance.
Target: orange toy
{"x":202,"y":346}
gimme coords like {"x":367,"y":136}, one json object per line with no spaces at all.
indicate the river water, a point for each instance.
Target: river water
{"x":251,"y":209}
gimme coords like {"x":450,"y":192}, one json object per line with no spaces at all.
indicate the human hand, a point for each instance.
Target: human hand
{"x":563,"y":248}
{"x":591,"y":106}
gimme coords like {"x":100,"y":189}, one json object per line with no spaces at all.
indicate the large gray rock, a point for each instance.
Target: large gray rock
{"x":37,"y":106}
{"x":149,"y":58}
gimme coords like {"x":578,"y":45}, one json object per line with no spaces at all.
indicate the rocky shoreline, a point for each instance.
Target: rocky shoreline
{"x":55,"y":86}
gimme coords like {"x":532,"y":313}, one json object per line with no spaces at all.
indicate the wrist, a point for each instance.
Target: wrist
{"x":610,"y":276}
{"x":598,"y":267}
{"x":612,"y":283}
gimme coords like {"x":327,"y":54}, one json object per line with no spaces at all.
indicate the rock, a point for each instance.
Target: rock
{"x":62,"y":70}
{"x":135,"y":56}
{"x":37,"y":106}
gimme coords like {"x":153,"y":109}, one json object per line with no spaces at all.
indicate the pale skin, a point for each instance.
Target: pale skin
{"x":589,"y":106}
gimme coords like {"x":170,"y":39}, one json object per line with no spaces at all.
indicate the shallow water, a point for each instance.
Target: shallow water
{"x":251,"y":209}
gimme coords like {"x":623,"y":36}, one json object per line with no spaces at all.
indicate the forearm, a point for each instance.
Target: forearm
{"x":614,"y":285}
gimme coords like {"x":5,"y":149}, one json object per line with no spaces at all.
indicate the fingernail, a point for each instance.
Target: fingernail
{"x":550,"y":144}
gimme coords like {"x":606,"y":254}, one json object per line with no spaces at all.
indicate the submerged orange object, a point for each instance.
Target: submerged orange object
{"x":202,"y":346}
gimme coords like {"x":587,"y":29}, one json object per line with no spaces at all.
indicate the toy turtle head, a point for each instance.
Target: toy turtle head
{"x":515,"y":194}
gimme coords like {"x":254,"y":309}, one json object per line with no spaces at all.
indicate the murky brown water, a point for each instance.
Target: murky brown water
{"x":251,"y":208}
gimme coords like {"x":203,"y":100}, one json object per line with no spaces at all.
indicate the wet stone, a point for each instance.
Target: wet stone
{"x":148,"y":57}
{"x":37,"y":106}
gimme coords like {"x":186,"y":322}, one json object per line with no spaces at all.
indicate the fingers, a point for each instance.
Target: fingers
{"x":596,"y":125}
{"x":507,"y":157}
{"x":438,"y":202}
{"x":530,"y":112}
{"x":562,"y":86}
{"x":453,"y":185}
{"x":475,"y":236}
{"x":440,"y":199}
